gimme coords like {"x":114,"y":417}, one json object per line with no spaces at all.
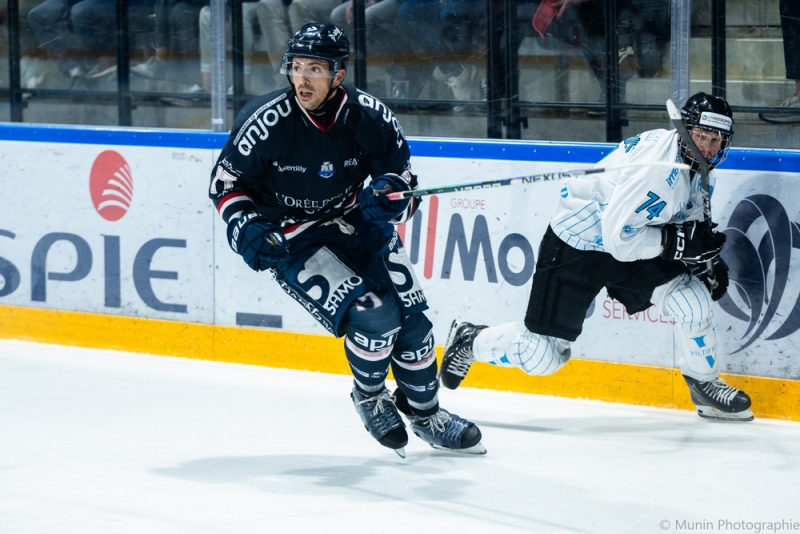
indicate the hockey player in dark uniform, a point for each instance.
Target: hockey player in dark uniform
{"x":640,"y":233}
{"x":291,"y":185}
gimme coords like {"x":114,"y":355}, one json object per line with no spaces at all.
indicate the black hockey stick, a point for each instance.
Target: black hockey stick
{"x":544,"y":177}
{"x":677,"y":121}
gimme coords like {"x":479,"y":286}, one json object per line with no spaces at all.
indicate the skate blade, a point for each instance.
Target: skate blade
{"x":401,"y":452}
{"x":709,"y":412}
{"x":476,"y":449}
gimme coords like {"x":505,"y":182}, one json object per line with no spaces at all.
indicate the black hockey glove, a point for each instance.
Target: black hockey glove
{"x":259,"y":242}
{"x":720,"y":277}
{"x":374,"y":204}
{"x":692,"y":242}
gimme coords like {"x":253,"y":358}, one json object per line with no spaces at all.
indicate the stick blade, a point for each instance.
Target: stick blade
{"x":673,"y":111}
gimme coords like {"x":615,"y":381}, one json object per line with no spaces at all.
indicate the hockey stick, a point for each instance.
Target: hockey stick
{"x":677,"y":121}
{"x":544,"y":177}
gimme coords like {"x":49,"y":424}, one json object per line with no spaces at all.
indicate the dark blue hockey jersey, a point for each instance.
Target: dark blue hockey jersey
{"x":280,"y":162}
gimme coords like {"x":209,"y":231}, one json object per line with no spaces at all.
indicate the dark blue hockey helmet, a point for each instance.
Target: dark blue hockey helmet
{"x":318,"y":41}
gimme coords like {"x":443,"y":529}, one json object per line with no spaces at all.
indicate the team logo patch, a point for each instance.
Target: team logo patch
{"x":327,"y":170}
{"x":715,"y":120}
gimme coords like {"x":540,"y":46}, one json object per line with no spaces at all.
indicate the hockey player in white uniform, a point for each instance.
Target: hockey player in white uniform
{"x":640,"y":232}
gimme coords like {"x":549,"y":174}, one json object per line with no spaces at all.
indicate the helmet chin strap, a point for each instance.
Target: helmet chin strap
{"x":331,"y":92}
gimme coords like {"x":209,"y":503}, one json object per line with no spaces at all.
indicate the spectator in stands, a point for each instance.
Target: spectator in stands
{"x":641,"y":29}
{"x":32,"y":70}
{"x":790,"y":26}
{"x":447,"y":32}
{"x":96,"y":22}
{"x":384,"y":42}
{"x":304,"y":11}
{"x":52,"y":24}
{"x":177,"y":38}
{"x":273,"y":19}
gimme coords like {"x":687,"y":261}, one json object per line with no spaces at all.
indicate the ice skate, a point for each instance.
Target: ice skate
{"x":717,"y":400}
{"x":458,"y":355}
{"x":380,"y":418}
{"x":443,"y":430}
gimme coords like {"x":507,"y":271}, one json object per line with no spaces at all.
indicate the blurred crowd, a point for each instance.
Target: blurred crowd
{"x":438,"y":46}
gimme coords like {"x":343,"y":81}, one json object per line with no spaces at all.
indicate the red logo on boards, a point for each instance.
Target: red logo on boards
{"x":111,"y":185}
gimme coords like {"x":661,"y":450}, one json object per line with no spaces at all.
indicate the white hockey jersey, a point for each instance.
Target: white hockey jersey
{"x":621,"y":211}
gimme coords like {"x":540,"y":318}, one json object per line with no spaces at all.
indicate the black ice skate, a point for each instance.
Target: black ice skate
{"x":717,"y":400}
{"x":443,"y":430}
{"x":380,"y":418}
{"x":458,"y":355}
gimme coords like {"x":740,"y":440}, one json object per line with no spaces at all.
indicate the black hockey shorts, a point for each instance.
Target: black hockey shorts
{"x":567,"y":280}
{"x":332,"y":265}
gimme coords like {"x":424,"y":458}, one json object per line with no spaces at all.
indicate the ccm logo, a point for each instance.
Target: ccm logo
{"x":111,"y":185}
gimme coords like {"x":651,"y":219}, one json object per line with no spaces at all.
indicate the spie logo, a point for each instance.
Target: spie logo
{"x":111,"y":185}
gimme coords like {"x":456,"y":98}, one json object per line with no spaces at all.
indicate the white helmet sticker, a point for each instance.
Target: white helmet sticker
{"x":715,"y":120}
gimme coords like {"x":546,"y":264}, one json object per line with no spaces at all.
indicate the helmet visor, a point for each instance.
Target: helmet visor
{"x":306,"y":67}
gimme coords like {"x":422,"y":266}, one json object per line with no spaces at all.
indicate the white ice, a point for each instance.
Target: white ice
{"x":98,"y":441}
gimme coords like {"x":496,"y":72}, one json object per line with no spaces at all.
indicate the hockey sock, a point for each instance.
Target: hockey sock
{"x":689,"y":303}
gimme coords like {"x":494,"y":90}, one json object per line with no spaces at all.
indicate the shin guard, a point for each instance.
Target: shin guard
{"x":687,"y":301}
{"x":513,"y":345}
{"x":371,"y":331}
{"x":414,"y":365}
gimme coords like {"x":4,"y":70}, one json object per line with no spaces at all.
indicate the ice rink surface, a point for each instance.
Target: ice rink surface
{"x":106,"y":442}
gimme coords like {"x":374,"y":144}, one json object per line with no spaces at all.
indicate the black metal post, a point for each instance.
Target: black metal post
{"x":613,"y":123}
{"x":123,"y":65}
{"x":718,"y":48}
{"x":14,"y":77}
{"x":359,"y":44}
{"x":495,"y":20}
{"x":237,"y":56}
{"x":511,"y":71}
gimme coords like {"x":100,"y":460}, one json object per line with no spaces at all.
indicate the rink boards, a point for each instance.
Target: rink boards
{"x":108,"y":239}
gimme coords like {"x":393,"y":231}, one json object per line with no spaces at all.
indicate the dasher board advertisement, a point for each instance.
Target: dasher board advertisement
{"x":118,"y":222}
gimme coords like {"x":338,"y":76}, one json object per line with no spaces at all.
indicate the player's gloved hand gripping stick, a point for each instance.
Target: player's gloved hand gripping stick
{"x":258,"y":241}
{"x":378,"y":206}
{"x":677,"y":121}
{"x":544,"y":177}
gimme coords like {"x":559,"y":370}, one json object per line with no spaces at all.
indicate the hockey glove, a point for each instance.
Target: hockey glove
{"x":259,"y":242}
{"x":692,"y":242}
{"x":720,"y":277}
{"x":374,"y":204}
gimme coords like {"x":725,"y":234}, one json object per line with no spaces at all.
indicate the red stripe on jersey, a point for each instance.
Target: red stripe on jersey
{"x":321,"y":125}
{"x":229,"y":199}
